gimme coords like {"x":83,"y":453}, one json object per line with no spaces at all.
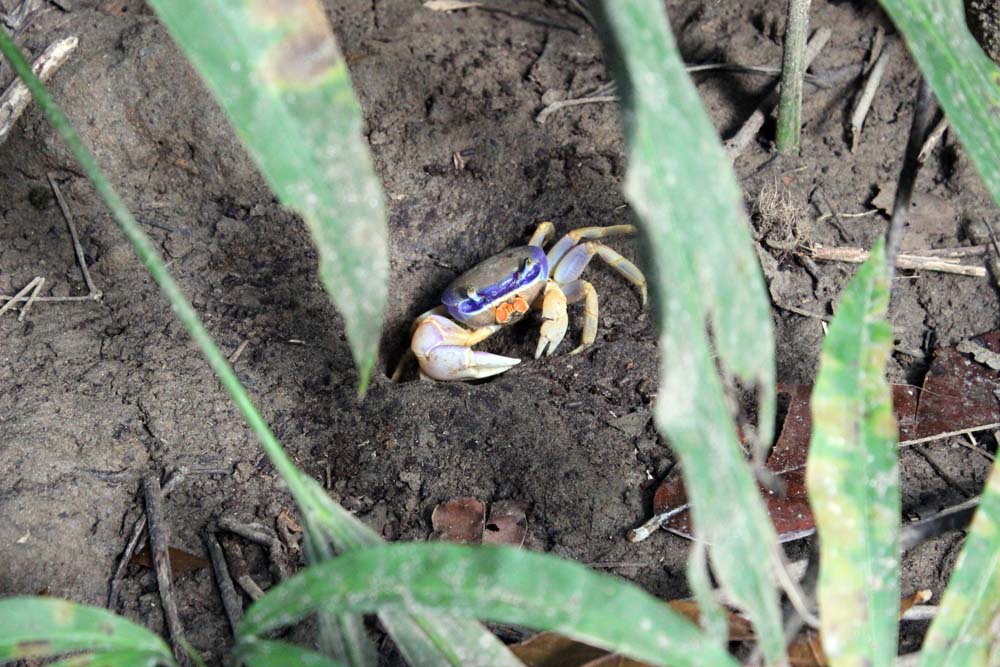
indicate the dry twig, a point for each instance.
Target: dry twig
{"x":864,"y":102}
{"x":913,"y":260}
{"x":15,"y":99}
{"x":231,"y":601}
{"x":161,"y":564}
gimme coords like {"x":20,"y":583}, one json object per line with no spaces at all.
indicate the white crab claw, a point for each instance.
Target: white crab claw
{"x":442,"y":349}
{"x":553,"y":331}
{"x":455,"y":362}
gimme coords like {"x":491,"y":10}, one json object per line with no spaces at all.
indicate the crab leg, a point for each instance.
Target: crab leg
{"x":581,"y":289}
{"x":576,"y":260}
{"x":543,"y":234}
{"x":557,"y":251}
{"x":444,"y":351}
{"x":555,"y":319}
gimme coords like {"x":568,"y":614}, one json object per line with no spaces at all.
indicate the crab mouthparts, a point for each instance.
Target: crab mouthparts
{"x":510,"y":310}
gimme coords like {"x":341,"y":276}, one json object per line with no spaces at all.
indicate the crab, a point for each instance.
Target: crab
{"x":500,"y":290}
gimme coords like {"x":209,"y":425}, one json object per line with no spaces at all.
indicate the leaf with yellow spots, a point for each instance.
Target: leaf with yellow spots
{"x":275,"y":68}
{"x":852,"y":476}
{"x":47,"y":627}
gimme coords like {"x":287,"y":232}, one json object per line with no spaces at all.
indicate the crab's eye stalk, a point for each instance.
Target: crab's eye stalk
{"x":527,"y":265}
{"x":471,"y":293}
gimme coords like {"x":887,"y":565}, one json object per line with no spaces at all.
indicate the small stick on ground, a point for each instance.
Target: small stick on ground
{"x":39,"y":281}
{"x":933,"y":139}
{"x":739,"y":141}
{"x":950,"y":434}
{"x":909,"y":260}
{"x":22,"y":295}
{"x":241,"y":571}
{"x":15,"y":99}
{"x":847,"y":235}
{"x":161,"y":564}
{"x":974,"y":446}
{"x":876,"y":49}
{"x":908,"y":174}
{"x":607,"y":92}
{"x":792,"y":70}
{"x":92,"y":290}
{"x":801,"y":311}
{"x":235,"y":356}
{"x":231,"y":601}
{"x":654,"y":524}
{"x":138,"y":529}
{"x":262,"y":536}
{"x":864,"y":103}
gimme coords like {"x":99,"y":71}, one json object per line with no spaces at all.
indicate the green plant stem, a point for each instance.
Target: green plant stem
{"x":793,"y":69}
{"x":154,"y":264}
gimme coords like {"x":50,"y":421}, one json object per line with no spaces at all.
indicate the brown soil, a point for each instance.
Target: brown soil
{"x":92,"y":396}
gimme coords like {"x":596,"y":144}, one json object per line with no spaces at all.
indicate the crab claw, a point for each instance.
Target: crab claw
{"x":443,"y":350}
{"x":455,"y":362}
{"x":556,"y":320}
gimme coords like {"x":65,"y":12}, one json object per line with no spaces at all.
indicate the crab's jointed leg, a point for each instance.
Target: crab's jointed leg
{"x":572,"y":238}
{"x":555,"y":319}
{"x":575,"y":261}
{"x":581,"y":289}
{"x":443,"y":349}
{"x":543,"y":234}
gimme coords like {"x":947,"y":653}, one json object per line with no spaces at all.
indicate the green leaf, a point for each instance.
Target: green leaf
{"x":46,"y":627}
{"x":273,"y":653}
{"x":966,"y":630}
{"x":276,"y":70}
{"x":424,"y":640}
{"x":964,"y":79}
{"x":853,"y":477}
{"x":491,"y":583}
{"x":705,"y":281}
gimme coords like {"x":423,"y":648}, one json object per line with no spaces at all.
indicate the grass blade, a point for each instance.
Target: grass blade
{"x":492,"y":583}
{"x":273,"y":653}
{"x":703,"y":272}
{"x":966,"y":629}
{"x":425,"y":640}
{"x":276,"y":70}
{"x":964,"y":80}
{"x":45,"y":627}
{"x":853,"y":477}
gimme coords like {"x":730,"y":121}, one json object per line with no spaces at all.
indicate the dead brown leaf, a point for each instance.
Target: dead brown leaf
{"x":507,"y":523}
{"x":181,"y":562}
{"x":459,"y":520}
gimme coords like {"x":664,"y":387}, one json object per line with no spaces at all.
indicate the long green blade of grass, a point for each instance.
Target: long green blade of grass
{"x":492,"y":583}
{"x":705,"y":281}
{"x":964,"y":80}
{"x":424,"y":640}
{"x":966,"y":630}
{"x":47,"y":627}
{"x":324,"y":519}
{"x":273,"y":653}
{"x":276,"y":70}
{"x":853,"y":477}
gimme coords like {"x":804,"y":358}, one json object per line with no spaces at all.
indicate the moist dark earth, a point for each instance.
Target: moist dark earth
{"x":95,"y":395}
